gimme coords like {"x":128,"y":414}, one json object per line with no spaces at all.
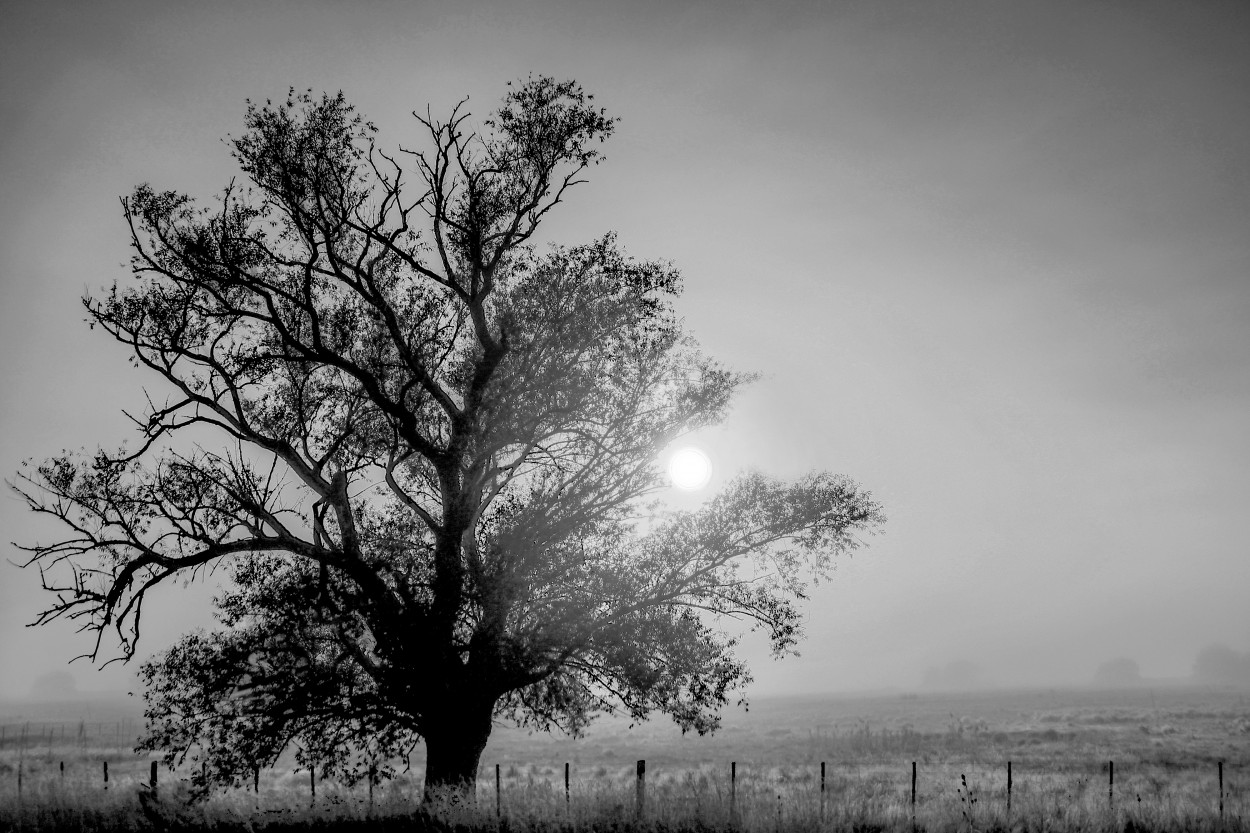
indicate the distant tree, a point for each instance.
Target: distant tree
{"x":1118,"y":673}
{"x":1218,"y":663}
{"x":54,"y":685}
{"x":428,"y":502}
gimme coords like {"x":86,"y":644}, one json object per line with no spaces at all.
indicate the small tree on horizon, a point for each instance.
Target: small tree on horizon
{"x":417,"y":450}
{"x":1121,"y":671}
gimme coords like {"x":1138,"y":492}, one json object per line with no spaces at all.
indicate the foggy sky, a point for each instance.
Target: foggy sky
{"x":991,"y":258}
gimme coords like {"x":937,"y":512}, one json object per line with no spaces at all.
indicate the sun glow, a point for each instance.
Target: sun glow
{"x":689,"y":468}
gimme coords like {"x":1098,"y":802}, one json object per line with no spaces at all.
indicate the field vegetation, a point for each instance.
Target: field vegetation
{"x":1166,"y":745}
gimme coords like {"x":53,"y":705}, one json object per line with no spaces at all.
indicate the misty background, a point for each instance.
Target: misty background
{"x":991,"y":259}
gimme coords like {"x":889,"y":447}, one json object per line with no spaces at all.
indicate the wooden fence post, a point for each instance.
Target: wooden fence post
{"x":152,"y":776}
{"x":1111,"y":784}
{"x":913,"y":795}
{"x":256,"y":780}
{"x":1009,"y":788}
{"x":106,"y":775}
{"x":733,"y":789}
{"x":641,"y":787}
{"x":312,"y":782}
{"x":822,"y":791}
{"x":567,"y":801}
{"x":19,"y":779}
{"x":498,"y":794}
{"x":1220,"y":766}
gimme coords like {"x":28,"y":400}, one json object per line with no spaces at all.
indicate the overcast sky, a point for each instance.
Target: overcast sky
{"x":991,"y":258}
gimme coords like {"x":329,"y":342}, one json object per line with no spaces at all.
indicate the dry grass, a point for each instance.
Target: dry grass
{"x":1165,"y":751}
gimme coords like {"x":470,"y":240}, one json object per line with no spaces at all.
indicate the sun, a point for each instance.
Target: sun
{"x":689,"y":468}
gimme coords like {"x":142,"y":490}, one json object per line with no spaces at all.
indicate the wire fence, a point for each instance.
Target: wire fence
{"x":732,"y":787}
{"x":86,"y":756}
{"x":34,"y":735}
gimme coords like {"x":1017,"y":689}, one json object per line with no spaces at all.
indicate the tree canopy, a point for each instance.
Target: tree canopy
{"x":420,"y":452}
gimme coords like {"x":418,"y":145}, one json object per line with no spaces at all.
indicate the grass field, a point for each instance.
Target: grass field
{"x":1166,"y":746}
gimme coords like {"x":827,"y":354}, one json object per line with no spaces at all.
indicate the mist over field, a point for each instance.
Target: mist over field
{"x":57,"y":697}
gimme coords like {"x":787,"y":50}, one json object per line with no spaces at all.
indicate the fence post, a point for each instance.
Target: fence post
{"x":822,"y":791}
{"x":733,"y":789}
{"x":1111,"y":784}
{"x":1009,"y":788}
{"x":567,"y":804}
{"x":498,"y":794}
{"x":913,"y":795}
{"x":19,"y":779}
{"x":152,"y":777}
{"x":63,"y":771}
{"x":256,"y":780}
{"x":312,"y":782}
{"x":641,"y":797}
{"x":106,"y":775}
{"x":1221,"y":772}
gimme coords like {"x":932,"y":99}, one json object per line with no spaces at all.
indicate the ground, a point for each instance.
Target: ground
{"x":1164,"y":746}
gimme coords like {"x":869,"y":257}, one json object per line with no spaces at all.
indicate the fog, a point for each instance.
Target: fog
{"x":989,"y":259}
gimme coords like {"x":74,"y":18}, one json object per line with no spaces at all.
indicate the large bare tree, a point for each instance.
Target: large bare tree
{"x":418,"y":451}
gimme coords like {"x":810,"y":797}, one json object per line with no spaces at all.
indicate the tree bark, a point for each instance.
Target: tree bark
{"x":453,"y":748}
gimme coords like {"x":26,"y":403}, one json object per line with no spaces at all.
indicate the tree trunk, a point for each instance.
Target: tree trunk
{"x":453,"y":750}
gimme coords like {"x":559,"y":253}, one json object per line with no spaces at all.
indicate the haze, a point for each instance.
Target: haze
{"x":992,"y":260}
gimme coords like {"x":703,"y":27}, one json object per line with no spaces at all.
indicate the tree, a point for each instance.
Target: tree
{"x":1218,"y":663}
{"x":435,"y":444}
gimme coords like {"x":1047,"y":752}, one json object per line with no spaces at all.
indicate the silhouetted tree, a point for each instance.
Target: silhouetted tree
{"x":428,"y":505}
